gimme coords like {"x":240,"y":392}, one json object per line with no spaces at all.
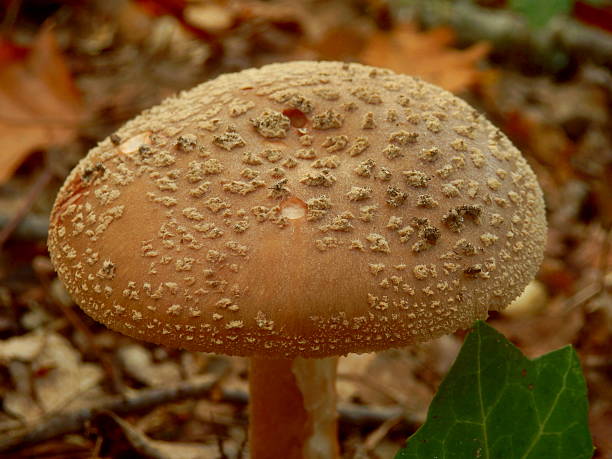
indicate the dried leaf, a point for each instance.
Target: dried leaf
{"x":209,"y":17}
{"x":122,"y":437}
{"x":22,"y":406}
{"x":138,"y":364}
{"x":354,"y":365}
{"x":63,"y":377}
{"x":59,"y":377}
{"x":39,"y":104}
{"x":24,"y":348}
{"x":339,"y":43}
{"x":428,"y":55}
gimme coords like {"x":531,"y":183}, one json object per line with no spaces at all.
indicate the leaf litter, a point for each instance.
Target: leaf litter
{"x":40,"y":105}
{"x":139,"y":57}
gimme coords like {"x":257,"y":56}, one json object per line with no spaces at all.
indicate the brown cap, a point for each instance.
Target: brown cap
{"x":306,"y":208}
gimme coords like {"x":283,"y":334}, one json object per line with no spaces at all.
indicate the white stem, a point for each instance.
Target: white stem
{"x":316,"y":379}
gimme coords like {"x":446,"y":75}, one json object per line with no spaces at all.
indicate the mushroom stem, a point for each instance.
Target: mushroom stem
{"x":293,"y":408}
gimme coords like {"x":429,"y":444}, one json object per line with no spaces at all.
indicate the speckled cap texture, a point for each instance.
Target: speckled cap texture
{"x":300,"y":209}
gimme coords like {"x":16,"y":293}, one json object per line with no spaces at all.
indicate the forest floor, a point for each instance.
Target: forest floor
{"x":73,"y":72}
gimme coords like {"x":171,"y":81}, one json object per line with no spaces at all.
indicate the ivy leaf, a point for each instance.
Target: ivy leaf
{"x":539,"y":12}
{"x":496,"y":403}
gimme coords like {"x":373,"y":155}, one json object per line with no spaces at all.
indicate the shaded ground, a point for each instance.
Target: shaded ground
{"x":72,"y":72}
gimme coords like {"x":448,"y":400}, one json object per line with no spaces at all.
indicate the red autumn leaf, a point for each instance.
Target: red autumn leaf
{"x":163,"y":7}
{"x":39,"y":104}
{"x":428,"y":55}
{"x":595,"y":15}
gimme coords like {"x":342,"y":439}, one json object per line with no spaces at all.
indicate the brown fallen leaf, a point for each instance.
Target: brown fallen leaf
{"x":59,"y":377}
{"x":39,"y":103}
{"x":428,"y":55}
{"x":138,"y":363}
{"x":120,"y":438}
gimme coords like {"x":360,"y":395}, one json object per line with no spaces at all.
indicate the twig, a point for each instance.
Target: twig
{"x":362,"y":415}
{"x":63,"y":423}
{"x":242,"y":448}
{"x":222,"y":454}
{"x":41,"y":181}
{"x":31,"y":227}
{"x":509,"y":31}
{"x":36,"y":121}
{"x":584,"y":295}
{"x":350,"y":413}
{"x":595,"y":288}
{"x":375,"y":437}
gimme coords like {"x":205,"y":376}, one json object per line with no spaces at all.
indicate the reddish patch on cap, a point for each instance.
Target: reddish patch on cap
{"x":297,"y":118}
{"x":71,"y":195}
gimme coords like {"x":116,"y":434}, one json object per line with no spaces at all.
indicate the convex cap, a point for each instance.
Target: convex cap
{"x":306,"y":208}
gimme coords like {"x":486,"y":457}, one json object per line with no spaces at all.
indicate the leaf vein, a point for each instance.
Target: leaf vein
{"x":540,"y":432}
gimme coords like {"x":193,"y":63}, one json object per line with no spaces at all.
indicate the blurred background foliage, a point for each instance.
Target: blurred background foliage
{"x":71,"y":72}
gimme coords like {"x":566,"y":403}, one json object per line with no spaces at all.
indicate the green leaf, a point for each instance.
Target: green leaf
{"x":539,"y":12}
{"x":496,"y":403}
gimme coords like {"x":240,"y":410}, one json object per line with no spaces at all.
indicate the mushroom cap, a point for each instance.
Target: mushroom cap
{"x":300,"y":209}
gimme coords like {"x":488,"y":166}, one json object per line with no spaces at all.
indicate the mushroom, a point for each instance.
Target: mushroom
{"x":294,"y":213}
